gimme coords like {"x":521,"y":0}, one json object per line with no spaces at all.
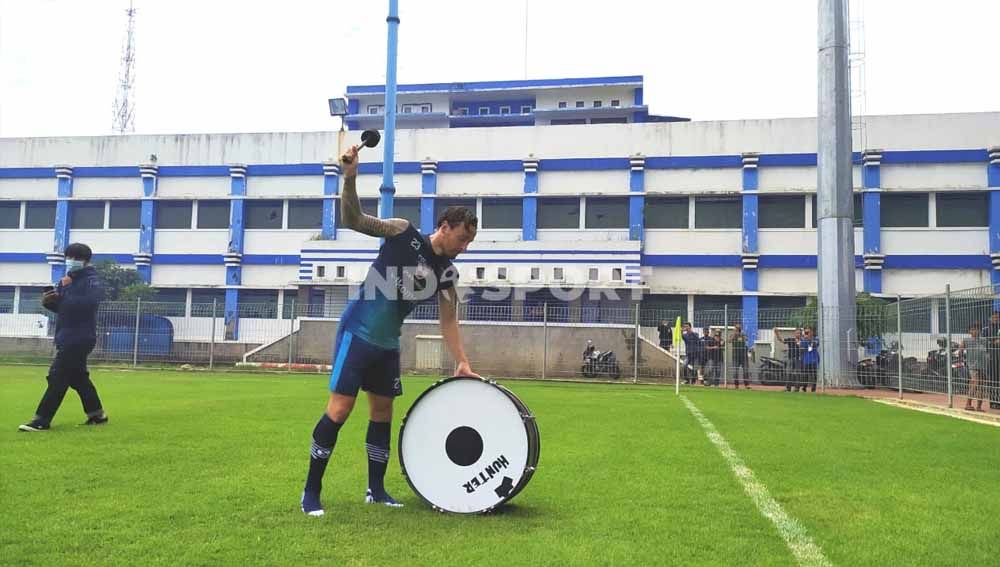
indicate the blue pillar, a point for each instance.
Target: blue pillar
{"x":529,"y":209}
{"x":388,"y":188}
{"x":637,"y":101}
{"x":428,"y":188}
{"x":233,"y":257}
{"x":993,"y":182}
{"x":636,"y":203}
{"x":56,"y":259}
{"x":147,"y":223}
{"x":750,"y":255}
{"x":871,"y":182}
{"x":331,"y":187}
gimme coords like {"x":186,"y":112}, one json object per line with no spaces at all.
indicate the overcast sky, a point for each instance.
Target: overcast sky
{"x":253,"y":66}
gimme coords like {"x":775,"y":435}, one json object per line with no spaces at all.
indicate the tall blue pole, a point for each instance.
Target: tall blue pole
{"x":388,"y":166}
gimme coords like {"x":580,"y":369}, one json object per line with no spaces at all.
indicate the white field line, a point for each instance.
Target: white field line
{"x":805,"y":550}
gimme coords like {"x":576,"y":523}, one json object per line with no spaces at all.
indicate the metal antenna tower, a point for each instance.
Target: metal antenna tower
{"x":856,"y":60}
{"x":123,"y":113}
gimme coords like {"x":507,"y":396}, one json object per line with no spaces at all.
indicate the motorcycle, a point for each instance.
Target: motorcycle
{"x":597,"y":363}
{"x":874,"y":372}
{"x":937,"y":360}
{"x":772,"y":371}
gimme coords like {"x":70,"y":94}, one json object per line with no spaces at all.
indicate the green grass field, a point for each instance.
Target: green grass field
{"x":207,"y":469}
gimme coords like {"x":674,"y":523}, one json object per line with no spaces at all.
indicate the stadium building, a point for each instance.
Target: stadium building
{"x":577,"y":186}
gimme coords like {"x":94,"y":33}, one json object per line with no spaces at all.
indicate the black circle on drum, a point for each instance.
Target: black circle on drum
{"x":464,"y":446}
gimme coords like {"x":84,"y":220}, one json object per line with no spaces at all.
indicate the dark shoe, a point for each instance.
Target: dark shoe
{"x":33,"y":426}
{"x":99,"y":420}
{"x":311,"y":505}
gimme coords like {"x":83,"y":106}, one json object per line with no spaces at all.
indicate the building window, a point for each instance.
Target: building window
{"x":262,"y":214}
{"x":579,"y":104}
{"x":441,"y":204}
{"x":963,"y":209}
{"x":368,"y":207}
{"x":86,"y":215}
{"x":781,"y":211}
{"x":603,"y":212}
{"x":320,"y":271}
{"x":904,"y":209}
{"x":562,"y":104}
{"x":501,"y":273}
{"x":559,"y":213}
{"x":598,"y":104}
{"x":526,"y":109}
{"x":213,"y":214}
{"x":341,"y":271}
{"x":374,"y":109}
{"x":859,"y":217}
{"x":259,"y":303}
{"x":666,"y":212}
{"x":480,"y":273}
{"x":773,"y":311}
{"x":501,"y":213}
{"x":31,"y":301}
{"x":616,"y":274}
{"x":305,"y":213}
{"x":425,"y":108}
{"x":484,"y":110}
{"x":124,"y":214}
{"x":408,"y":209}
{"x":461,"y":111}
{"x":10,"y":215}
{"x":407,"y":108}
{"x":711,"y":309}
{"x":616,"y":102}
{"x":40,"y":214}
{"x":536,"y":273}
{"x":173,"y":214}
{"x":718,"y":212}
{"x":610,"y":120}
{"x":594,"y":274}
{"x":6,"y":299}
{"x":504,"y":110}
{"x":567,"y":121}
{"x":170,"y":302}
{"x":203,"y":299}
{"x":557,"y":274}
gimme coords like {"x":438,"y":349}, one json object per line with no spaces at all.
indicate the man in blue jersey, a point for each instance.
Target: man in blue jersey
{"x":410,"y":267}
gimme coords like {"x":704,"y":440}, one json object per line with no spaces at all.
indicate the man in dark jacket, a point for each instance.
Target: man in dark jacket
{"x":692,"y":346}
{"x":666,"y":333}
{"x":75,"y":303}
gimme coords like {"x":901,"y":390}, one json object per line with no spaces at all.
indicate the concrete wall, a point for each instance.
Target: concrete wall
{"x":494,"y":350}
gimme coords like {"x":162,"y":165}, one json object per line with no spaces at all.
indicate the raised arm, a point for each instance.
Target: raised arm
{"x":448,"y":303}
{"x":351,"y":213}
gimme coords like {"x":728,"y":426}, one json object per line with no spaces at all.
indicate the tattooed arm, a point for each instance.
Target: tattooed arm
{"x":350,"y":206}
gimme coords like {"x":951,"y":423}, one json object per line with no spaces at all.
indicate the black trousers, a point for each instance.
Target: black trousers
{"x":69,"y":370}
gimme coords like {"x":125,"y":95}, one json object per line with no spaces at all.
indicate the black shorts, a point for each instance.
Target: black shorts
{"x":360,"y":365}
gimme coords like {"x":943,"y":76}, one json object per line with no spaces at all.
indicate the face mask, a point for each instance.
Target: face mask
{"x":74,"y":265}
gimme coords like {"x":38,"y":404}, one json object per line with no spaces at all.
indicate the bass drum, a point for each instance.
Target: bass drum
{"x":468,"y":445}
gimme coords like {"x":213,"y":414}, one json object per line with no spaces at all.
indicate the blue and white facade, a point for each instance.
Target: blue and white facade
{"x":685,"y":214}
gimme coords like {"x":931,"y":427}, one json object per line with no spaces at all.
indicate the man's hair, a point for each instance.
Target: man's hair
{"x":974,"y":325}
{"x":456,"y":215}
{"x":79,"y":251}
{"x":688,"y":324}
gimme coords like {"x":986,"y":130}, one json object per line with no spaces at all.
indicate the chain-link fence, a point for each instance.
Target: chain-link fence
{"x":946,"y":345}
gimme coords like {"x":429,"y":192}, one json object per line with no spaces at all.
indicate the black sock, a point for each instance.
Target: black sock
{"x":324,"y":438}
{"x":377,"y":443}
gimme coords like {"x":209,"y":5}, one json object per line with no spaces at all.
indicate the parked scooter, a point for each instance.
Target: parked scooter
{"x":597,"y":363}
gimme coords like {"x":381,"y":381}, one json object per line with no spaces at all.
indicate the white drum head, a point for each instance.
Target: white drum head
{"x":464,"y":446}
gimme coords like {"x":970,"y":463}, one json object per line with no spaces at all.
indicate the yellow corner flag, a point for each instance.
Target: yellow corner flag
{"x":677,"y":331}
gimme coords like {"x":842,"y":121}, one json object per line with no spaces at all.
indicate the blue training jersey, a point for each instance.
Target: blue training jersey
{"x":405,"y":273}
